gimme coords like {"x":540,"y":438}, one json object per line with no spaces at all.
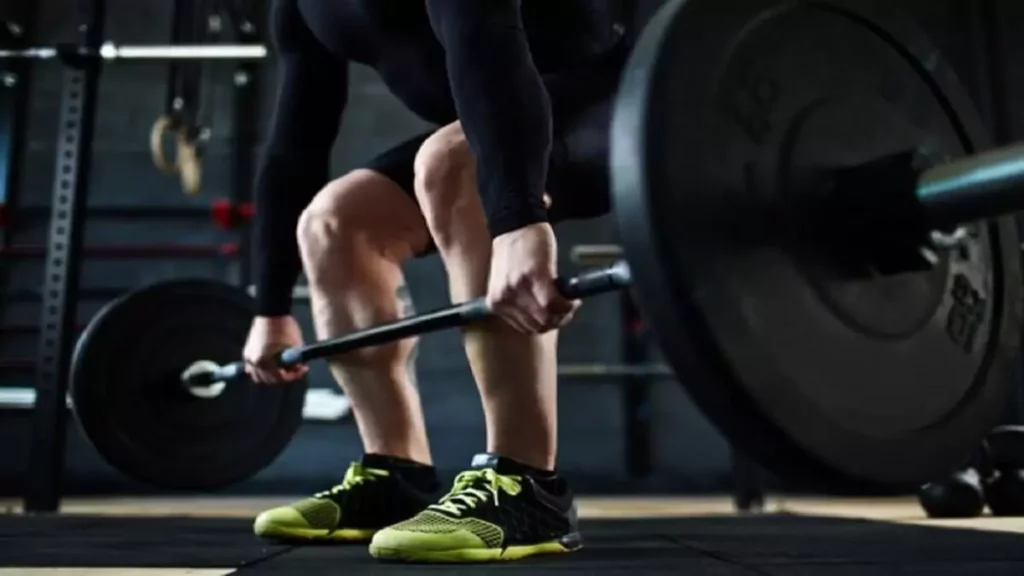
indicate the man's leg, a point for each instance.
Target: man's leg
{"x":516,"y":373}
{"x":511,"y":504}
{"x":353,"y":238}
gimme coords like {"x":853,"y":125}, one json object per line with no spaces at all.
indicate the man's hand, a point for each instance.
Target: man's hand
{"x":267,"y":338}
{"x":522,"y":283}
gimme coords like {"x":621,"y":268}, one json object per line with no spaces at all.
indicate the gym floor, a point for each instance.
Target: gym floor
{"x":798,"y":537}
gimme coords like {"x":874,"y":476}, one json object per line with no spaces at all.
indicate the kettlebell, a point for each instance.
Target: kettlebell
{"x":959,"y":496}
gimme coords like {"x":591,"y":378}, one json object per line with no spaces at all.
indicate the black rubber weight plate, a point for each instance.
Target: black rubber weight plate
{"x":841,"y":383}
{"x":127,"y":395}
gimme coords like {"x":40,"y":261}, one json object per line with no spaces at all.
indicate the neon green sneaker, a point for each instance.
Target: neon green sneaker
{"x":487,"y":516}
{"x":369,"y":498}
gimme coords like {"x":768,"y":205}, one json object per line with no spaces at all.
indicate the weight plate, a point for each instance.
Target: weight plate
{"x":127,"y":394}
{"x":840,"y":383}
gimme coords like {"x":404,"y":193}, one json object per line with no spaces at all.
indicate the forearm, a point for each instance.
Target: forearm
{"x":284,"y":186}
{"x":312,"y":87}
{"x":502,"y":104}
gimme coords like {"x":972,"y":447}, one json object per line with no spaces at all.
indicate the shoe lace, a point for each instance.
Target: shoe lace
{"x":475,"y":486}
{"x":355,"y":475}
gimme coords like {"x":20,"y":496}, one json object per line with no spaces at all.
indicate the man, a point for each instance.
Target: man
{"x":522,"y":92}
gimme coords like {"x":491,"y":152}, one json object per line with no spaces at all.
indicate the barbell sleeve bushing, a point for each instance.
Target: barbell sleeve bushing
{"x":973,"y":188}
{"x":591,"y":283}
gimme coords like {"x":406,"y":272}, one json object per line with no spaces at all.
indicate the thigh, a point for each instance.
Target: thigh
{"x":578,"y":177}
{"x":398,"y":165}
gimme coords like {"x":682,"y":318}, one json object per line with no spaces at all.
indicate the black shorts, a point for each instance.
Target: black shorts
{"x":578,"y":183}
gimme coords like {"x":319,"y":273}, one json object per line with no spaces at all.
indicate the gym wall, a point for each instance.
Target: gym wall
{"x":689,"y":456}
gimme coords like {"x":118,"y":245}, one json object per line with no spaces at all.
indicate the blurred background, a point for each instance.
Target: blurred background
{"x":617,"y":435}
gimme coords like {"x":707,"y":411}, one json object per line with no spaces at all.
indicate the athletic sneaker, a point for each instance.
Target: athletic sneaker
{"x":497,"y":510}
{"x":377,"y":492}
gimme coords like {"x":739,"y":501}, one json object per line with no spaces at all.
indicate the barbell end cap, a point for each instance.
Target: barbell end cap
{"x":197,"y":374}
{"x":206,"y":379}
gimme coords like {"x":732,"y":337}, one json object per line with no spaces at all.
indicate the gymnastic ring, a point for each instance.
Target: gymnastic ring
{"x":161,"y":127}
{"x":189,"y":164}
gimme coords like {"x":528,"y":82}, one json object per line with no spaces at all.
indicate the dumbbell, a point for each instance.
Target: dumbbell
{"x":995,"y":477}
{"x":958,"y":496}
{"x":1004,"y":483}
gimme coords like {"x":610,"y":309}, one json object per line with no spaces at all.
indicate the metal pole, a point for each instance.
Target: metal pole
{"x":245,"y":135}
{"x":641,"y":371}
{"x":13,"y":90}
{"x":111,"y":51}
{"x":59,"y":305}
{"x":636,"y":392}
{"x":13,"y":83}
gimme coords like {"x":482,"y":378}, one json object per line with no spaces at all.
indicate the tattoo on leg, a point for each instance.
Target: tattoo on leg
{"x":406,"y":309}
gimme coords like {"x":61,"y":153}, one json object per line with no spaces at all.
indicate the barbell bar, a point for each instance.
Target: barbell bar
{"x":974,"y":188}
{"x":112,"y":51}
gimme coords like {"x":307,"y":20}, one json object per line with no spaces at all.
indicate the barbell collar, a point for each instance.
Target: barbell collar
{"x":591,"y":283}
{"x":973,"y":188}
{"x":112,"y":51}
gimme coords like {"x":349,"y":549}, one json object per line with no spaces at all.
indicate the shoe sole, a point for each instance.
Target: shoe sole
{"x":470,"y":555}
{"x":347,"y":535}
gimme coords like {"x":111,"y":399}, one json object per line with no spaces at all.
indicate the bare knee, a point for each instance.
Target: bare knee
{"x":445,"y":183}
{"x":353,"y":237}
{"x":353,"y":219}
{"x":331,"y":220}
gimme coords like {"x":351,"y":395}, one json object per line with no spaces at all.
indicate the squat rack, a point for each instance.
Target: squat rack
{"x":83,"y":62}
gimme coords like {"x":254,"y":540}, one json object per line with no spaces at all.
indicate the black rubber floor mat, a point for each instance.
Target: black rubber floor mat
{"x":726,"y":546}
{"x":77,"y":541}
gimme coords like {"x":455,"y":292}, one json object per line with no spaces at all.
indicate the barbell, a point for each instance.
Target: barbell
{"x":813,"y":233}
{"x":113,"y":51}
{"x":609,"y":279}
